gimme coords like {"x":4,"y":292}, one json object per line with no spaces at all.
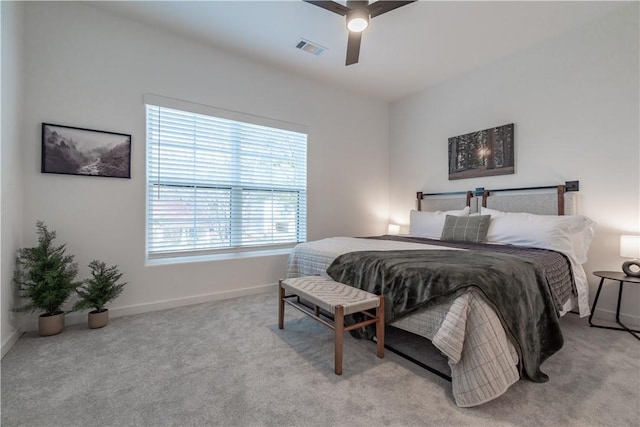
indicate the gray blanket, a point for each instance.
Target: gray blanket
{"x":556,"y":266}
{"x":516,"y":289}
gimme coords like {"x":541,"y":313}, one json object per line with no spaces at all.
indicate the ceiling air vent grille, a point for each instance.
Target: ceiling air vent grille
{"x":310,"y":47}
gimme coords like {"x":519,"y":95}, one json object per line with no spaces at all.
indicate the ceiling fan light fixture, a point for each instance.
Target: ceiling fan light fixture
{"x":357,"y":20}
{"x":358,"y":13}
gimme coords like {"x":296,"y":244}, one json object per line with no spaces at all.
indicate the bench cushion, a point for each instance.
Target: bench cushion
{"x":327,"y":294}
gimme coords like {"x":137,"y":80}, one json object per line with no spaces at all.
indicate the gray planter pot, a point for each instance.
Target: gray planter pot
{"x":51,"y":325}
{"x":98,"y":319}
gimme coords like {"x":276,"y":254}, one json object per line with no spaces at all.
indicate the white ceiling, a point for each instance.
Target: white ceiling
{"x":402,"y":52}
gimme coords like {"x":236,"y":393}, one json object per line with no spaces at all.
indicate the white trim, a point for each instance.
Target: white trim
{"x":9,"y":342}
{"x":629,"y":320}
{"x":31,"y":324}
{"x":182,"y":259}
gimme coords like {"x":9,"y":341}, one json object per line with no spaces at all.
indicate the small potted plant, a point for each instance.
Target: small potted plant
{"x":97,"y":291}
{"x":45,"y":275}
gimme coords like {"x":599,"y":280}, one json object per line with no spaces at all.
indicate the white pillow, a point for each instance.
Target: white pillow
{"x":569,"y":234}
{"x":430,"y":224}
{"x":581,"y":239}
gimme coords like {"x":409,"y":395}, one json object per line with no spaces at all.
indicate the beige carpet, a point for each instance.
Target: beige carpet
{"x":226,"y":363}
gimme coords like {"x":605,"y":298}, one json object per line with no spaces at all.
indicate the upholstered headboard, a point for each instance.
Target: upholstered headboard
{"x":447,"y":201}
{"x":541,"y":203}
{"x":545,"y":200}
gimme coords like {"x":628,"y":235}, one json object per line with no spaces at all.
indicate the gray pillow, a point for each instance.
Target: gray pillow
{"x":466,"y":228}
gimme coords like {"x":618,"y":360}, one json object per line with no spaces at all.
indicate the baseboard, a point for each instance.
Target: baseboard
{"x":629,"y":320}
{"x":198,"y":299}
{"x":31,"y":323}
{"x":9,"y":342}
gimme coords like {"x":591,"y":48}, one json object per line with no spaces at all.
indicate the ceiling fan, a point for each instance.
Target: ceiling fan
{"x":358,"y":14}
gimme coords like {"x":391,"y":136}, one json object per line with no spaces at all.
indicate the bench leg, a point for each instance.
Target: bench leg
{"x":339,"y":330}
{"x":380,"y":327}
{"x":280,"y":305}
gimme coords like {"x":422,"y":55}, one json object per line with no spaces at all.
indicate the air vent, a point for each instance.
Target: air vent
{"x":310,"y":47}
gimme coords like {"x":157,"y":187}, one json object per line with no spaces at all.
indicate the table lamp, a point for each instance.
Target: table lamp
{"x":630,"y":248}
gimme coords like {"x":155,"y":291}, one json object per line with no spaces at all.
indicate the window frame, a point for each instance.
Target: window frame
{"x":232,"y":251}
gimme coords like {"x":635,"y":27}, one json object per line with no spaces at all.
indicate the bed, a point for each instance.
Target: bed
{"x":487,"y":327}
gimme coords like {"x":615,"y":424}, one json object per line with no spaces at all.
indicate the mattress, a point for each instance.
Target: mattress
{"x":484,"y":363}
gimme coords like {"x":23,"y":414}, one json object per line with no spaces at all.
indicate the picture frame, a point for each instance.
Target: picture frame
{"x":78,"y":151}
{"x":483,"y":153}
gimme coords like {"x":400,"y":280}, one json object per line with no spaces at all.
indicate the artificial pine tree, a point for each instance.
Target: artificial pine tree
{"x":101,"y":288}
{"x":44,"y":274}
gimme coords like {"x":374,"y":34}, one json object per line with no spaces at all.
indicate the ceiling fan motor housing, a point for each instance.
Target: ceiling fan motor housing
{"x":358,"y":13}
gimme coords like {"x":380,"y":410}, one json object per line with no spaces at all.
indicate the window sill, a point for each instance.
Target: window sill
{"x":217,"y":257}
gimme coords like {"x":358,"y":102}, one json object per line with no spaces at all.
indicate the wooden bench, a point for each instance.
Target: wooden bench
{"x":339,"y":300}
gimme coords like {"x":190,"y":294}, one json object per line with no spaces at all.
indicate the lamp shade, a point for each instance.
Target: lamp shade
{"x":394,"y":229}
{"x":630,"y":246}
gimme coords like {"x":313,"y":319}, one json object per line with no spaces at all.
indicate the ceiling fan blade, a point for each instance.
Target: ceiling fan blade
{"x":380,"y":7}
{"x":331,"y":6}
{"x":353,"y":48}
{"x":356,"y":4}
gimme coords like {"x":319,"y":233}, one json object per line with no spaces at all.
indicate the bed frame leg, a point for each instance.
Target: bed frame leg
{"x":281,"y":294}
{"x":380,"y":327}
{"x":339,"y":332}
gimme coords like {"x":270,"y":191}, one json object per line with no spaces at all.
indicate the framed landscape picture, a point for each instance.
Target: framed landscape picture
{"x":483,"y":153}
{"x":77,"y":151}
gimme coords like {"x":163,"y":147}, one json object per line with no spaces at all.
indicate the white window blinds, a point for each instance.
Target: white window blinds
{"x":216,"y":184}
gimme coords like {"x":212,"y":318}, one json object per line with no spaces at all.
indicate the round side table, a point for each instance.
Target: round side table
{"x":621,"y":278}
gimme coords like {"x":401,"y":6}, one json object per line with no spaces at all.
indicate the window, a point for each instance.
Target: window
{"x":216,"y":184}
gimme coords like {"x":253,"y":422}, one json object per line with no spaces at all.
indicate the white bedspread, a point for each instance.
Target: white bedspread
{"x":467,"y":330}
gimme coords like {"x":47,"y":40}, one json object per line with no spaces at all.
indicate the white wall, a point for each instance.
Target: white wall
{"x":575,"y":104}
{"x":11,"y":160}
{"x":574,"y":100}
{"x":89,"y":68}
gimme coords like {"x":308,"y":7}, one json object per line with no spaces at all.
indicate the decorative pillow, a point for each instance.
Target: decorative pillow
{"x":430,"y":224}
{"x":466,"y":228}
{"x":569,"y":234}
